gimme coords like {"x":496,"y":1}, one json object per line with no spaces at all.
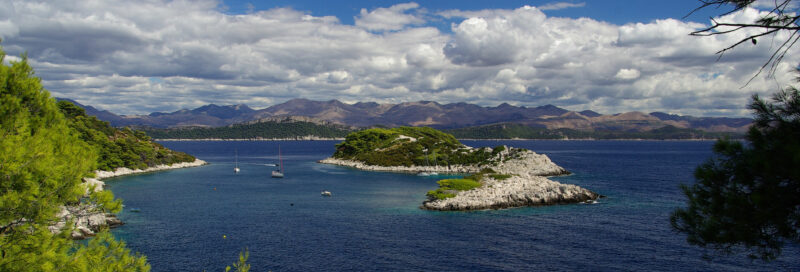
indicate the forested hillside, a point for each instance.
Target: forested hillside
{"x":265,"y":130}
{"x":517,"y":131}
{"x":409,"y":146}
{"x":118,"y":147}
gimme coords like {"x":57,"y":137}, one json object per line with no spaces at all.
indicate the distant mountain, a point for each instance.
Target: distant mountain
{"x":720,"y":124}
{"x":207,"y":116}
{"x":427,"y":113}
{"x":266,"y":128}
{"x":518,"y":131}
{"x":103,"y":115}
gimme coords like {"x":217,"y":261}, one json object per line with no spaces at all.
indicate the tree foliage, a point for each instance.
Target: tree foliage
{"x":265,"y":130}
{"x":241,"y":265}
{"x":42,"y":161}
{"x":782,"y":16}
{"x":409,"y":146}
{"x":119,"y":147}
{"x":747,"y":197}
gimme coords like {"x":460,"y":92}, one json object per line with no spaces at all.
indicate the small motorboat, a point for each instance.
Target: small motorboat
{"x":326,"y":193}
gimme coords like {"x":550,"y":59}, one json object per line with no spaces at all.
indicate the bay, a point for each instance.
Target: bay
{"x":201,"y":218}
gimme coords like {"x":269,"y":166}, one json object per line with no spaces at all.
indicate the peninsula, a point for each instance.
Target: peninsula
{"x":119,"y":152}
{"x":499,"y":177}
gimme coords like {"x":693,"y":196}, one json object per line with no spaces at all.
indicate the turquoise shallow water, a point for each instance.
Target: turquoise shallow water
{"x":200,"y":218}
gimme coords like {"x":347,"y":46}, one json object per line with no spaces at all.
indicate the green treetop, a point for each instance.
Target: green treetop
{"x":747,"y":197}
{"x":42,"y":161}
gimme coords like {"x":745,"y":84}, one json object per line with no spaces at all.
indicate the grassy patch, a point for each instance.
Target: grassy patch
{"x":447,"y":187}
{"x":458,"y":184}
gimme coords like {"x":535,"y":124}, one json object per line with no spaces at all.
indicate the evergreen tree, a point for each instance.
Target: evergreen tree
{"x":42,"y":161}
{"x":747,"y":197}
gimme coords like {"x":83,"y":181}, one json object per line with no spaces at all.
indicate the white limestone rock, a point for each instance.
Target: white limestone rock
{"x":515,"y":191}
{"x":86,"y":219}
{"x":522,"y":162}
{"x":527,"y":185}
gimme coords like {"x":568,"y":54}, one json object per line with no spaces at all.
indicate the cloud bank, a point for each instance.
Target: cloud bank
{"x":143,"y":56}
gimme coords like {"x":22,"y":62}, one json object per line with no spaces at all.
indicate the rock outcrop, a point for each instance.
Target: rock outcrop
{"x":527,"y":186}
{"x":87,"y":219}
{"x":508,"y":161}
{"x":515,"y":191}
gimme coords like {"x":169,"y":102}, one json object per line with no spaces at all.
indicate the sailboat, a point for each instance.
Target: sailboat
{"x":424,"y":173}
{"x":278,"y":173}
{"x":236,"y":167}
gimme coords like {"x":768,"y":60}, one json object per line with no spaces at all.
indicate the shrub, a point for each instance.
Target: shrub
{"x":448,"y":186}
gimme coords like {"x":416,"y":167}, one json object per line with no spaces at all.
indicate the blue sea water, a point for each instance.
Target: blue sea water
{"x":200,"y":218}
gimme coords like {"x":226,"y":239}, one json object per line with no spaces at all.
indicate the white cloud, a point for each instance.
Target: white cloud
{"x":391,"y":18}
{"x":499,"y":39}
{"x":627,"y":74}
{"x":561,"y":5}
{"x":166,"y":55}
{"x":772,"y":4}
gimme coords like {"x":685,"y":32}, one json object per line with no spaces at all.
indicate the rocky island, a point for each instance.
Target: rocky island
{"x":499,"y":177}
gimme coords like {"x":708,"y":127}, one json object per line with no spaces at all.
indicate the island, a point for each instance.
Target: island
{"x":495,"y":178}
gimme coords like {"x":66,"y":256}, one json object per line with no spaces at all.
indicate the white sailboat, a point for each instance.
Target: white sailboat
{"x":425,"y":173}
{"x":278,"y":173}
{"x":236,"y":162}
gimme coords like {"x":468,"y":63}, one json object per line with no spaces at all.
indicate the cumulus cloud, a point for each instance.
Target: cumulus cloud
{"x":391,"y":18}
{"x":499,"y":39}
{"x":160,"y":55}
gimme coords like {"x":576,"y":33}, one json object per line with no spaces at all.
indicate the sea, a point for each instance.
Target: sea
{"x":201,"y":219}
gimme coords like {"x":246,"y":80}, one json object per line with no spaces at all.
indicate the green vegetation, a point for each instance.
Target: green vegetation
{"x":747,"y":197}
{"x":266,"y":130}
{"x":119,"y":147}
{"x":42,"y":161}
{"x":518,"y":131}
{"x":241,"y":265}
{"x":448,"y":187}
{"x":410,"y":146}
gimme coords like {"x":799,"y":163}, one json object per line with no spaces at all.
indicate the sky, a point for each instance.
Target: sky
{"x":610,"y":56}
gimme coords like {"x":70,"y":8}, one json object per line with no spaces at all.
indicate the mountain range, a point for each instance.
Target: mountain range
{"x":423,"y":113}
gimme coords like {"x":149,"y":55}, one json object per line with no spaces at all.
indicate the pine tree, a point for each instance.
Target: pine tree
{"x":746,"y":198}
{"x":42,"y":161}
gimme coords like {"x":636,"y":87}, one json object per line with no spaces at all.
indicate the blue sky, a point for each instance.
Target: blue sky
{"x":613,"y":11}
{"x":137,"y":57}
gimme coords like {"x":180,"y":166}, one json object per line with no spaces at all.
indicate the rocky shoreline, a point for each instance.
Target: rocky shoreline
{"x":526,"y":162}
{"x":86,"y":219}
{"x":526,"y":186}
{"x":513,"y":192}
